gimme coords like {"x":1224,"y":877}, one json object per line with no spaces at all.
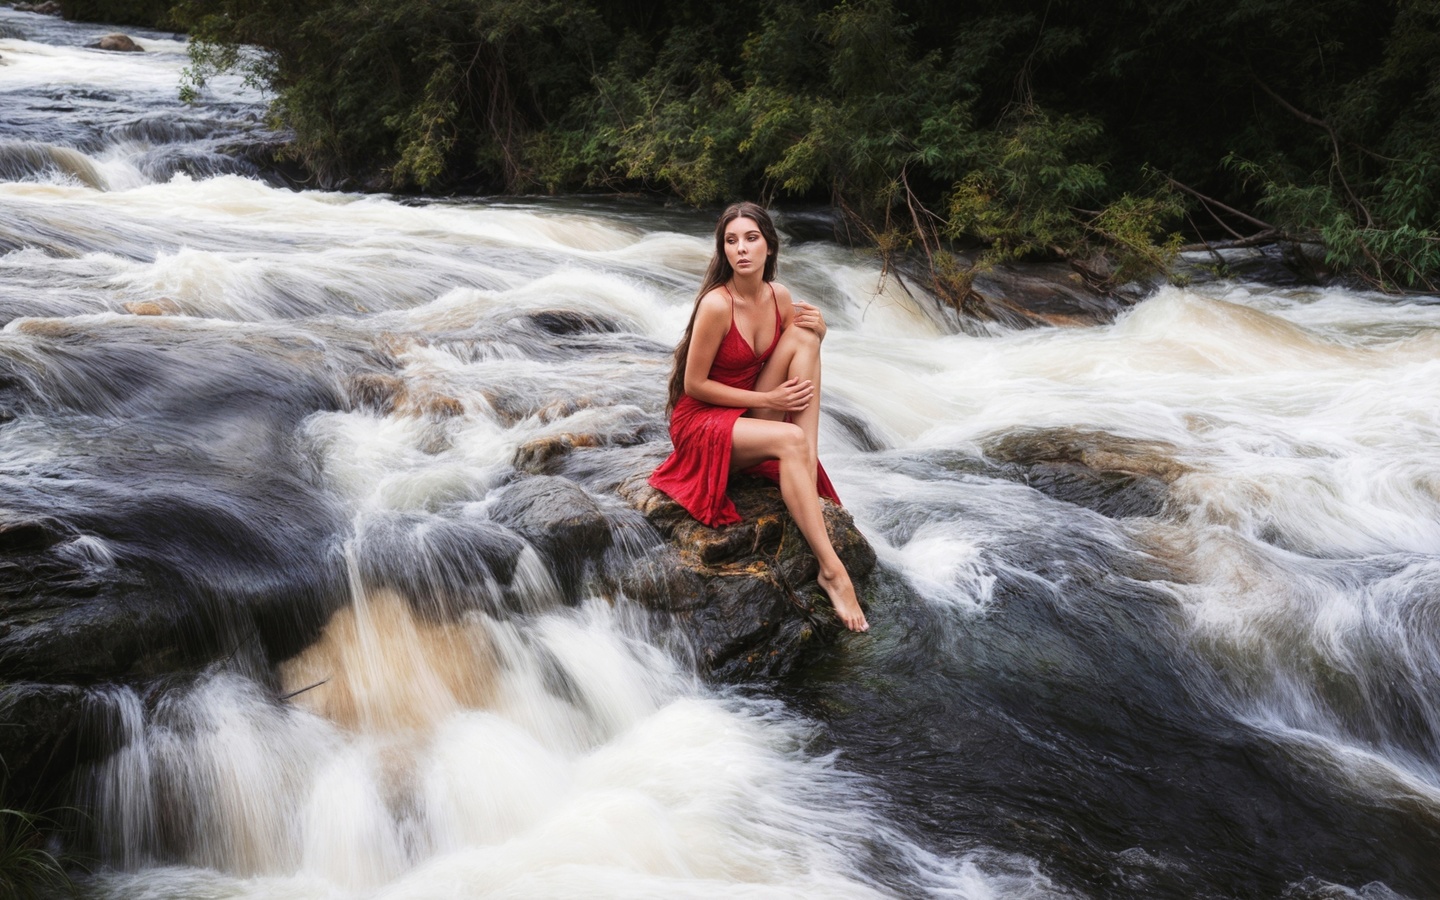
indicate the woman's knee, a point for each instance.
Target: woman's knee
{"x":801,"y":338}
{"x":791,"y":442}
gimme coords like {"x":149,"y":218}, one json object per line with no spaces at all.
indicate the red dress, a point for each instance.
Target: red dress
{"x":696,"y":473}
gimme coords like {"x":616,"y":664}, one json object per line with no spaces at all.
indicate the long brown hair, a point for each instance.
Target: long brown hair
{"x":720,"y":272}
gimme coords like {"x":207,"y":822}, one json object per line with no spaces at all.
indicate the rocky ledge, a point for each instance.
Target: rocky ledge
{"x":742,"y":600}
{"x":743,"y":596}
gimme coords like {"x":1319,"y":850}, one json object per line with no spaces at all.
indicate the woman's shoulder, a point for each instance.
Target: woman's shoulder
{"x":713,"y":310}
{"x":714,"y":301}
{"x":784,"y":303}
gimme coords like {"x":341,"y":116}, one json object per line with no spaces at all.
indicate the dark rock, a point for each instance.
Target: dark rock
{"x":563,"y":522}
{"x":661,"y":580}
{"x":29,"y":537}
{"x":1277,"y":265}
{"x":743,"y":596}
{"x":39,"y":739}
{"x":815,"y":224}
{"x":569,"y":321}
{"x":468,"y":563}
{"x":1041,"y":294}
{"x":48,"y":8}
{"x":1112,"y":475}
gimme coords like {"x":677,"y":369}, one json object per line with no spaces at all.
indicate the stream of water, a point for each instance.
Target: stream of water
{"x":1216,"y":677}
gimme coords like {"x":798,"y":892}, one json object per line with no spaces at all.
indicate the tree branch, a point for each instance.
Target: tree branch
{"x":1254,"y":240}
{"x":1211,"y":201}
{"x":1334,"y":143}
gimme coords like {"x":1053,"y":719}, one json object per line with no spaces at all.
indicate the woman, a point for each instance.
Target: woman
{"x":745,"y":395}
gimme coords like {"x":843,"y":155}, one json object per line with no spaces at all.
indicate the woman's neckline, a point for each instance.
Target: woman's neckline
{"x":775,"y":302}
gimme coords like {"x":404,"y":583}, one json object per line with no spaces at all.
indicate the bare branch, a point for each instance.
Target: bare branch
{"x":1334,"y":143}
{"x":1255,"y":240}
{"x":1211,"y":201}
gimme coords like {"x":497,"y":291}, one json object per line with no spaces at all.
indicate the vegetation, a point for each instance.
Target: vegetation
{"x":1087,"y":132}
{"x":149,"y":13}
{"x":27,"y":869}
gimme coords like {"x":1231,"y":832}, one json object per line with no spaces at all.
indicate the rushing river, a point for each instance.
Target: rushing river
{"x":1216,"y":674}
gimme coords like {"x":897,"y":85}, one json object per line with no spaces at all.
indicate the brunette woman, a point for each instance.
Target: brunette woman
{"x":745,"y":395}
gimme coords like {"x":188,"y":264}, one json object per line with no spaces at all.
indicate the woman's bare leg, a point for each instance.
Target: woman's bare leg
{"x":756,"y":440}
{"x":796,"y":356}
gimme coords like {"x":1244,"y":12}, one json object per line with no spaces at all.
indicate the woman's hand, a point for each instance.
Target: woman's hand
{"x":792,"y":396}
{"x":807,"y":316}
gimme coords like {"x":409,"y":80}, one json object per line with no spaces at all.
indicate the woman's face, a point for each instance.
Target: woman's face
{"x":745,"y":247}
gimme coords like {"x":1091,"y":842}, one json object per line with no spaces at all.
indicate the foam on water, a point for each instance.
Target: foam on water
{"x":586,"y":765}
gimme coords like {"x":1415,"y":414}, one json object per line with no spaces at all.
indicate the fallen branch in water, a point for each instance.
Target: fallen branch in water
{"x":1211,"y":201}
{"x":1257,"y":239}
{"x":283,"y":697}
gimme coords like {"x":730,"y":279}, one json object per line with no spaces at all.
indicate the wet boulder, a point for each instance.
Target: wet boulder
{"x":39,"y":740}
{"x":1020,"y":296}
{"x":1110,"y":474}
{"x":743,"y":597}
{"x":48,"y":8}
{"x":117,"y":43}
{"x":564,"y":524}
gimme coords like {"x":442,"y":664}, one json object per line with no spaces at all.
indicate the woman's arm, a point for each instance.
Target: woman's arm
{"x":712,"y":320}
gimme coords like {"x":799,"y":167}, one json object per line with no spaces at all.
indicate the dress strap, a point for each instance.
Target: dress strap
{"x":775,"y":302}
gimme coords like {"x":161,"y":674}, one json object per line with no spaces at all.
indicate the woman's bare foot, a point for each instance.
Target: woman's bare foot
{"x":842,"y":597}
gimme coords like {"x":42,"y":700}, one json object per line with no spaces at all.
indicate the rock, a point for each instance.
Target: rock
{"x":387,"y":394}
{"x":117,"y":42}
{"x":569,"y":321}
{"x":744,"y":596}
{"x":538,"y":456}
{"x":468,"y":563}
{"x":375,"y":392}
{"x":545,"y":454}
{"x":39,"y":739}
{"x":1278,"y":265}
{"x":162,"y":307}
{"x":48,"y":8}
{"x":1041,"y":294}
{"x":821,"y":223}
{"x":560,"y":520}
{"x":1112,"y":475}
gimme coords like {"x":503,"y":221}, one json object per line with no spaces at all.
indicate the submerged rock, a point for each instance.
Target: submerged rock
{"x":743,"y":596}
{"x":161,"y":307}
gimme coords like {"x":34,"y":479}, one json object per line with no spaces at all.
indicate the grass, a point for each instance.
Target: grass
{"x":27,"y":869}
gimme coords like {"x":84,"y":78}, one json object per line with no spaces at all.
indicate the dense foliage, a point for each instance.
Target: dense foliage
{"x":150,"y":13}
{"x":1021,"y":126}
